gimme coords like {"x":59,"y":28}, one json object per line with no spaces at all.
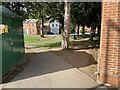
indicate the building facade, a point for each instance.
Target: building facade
{"x":31,"y":26}
{"x":109,"y":61}
{"x":54,"y":27}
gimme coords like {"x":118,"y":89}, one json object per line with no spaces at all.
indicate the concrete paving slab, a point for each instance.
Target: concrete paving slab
{"x":46,"y":70}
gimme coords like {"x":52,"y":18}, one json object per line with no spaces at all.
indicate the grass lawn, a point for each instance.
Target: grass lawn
{"x":30,"y":39}
{"x":49,"y":41}
{"x":54,"y":41}
{"x":39,"y":39}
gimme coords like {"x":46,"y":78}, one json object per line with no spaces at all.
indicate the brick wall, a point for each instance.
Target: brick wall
{"x":110,"y":43}
{"x":33,"y":27}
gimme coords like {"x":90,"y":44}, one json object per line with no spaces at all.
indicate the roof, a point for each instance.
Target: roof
{"x":50,"y":21}
{"x":30,"y":20}
{"x":6,"y":12}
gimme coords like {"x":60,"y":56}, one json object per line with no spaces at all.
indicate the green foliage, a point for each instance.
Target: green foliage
{"x":56,"y":12}
{"x":37,"y":9}
{"x":72,"y":27}
{"x":80,"y":11}
{"x":86,"y":13}
{"x":20,"y":8}
{"x":82,"y":31}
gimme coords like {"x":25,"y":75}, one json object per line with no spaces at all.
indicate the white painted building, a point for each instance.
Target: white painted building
{"x":54,"y":27}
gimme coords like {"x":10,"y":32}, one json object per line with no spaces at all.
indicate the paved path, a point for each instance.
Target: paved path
{"x":46,"y":70}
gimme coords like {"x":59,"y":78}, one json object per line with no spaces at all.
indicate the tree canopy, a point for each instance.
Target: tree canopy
{"x":20,"y":8}
{"x":82,"y":13}
{"x":56,"y":11}
{"x":86,"y":13}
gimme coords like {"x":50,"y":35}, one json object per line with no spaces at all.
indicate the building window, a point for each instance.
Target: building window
{"x":32,"y":30}
{"x":29,"y":24}
{"x":32,"y":24}
{"x":56,"y":25}
{"x":52,"y":25}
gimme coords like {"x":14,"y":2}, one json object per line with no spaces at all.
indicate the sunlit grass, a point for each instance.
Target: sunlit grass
{"x":54,"y":41}
{"x":30,"y":39}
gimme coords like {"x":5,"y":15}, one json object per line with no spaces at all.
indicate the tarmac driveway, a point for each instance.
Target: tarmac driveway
{"x":46,"y":70}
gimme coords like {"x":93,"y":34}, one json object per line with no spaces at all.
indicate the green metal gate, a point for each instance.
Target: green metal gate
{"x":12,"y":47}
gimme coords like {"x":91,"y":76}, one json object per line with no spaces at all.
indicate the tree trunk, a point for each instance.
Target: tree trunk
{"x":42,"y":33}
{"x":78,"y":29}
{"x":39,"y":26}
{"x":91,"y":34}
{"x":62,"y":27}
{"x":66,"y":32}
{"x":83,"y":31}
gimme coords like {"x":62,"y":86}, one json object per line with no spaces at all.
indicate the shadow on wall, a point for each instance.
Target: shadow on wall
{"x":111,"y":26}
{"x":39,"y":64}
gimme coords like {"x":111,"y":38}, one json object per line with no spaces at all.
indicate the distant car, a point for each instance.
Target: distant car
{"x":50,"y":33}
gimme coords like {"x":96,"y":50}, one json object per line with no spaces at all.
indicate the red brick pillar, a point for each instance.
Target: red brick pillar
{"x":110,"y":43}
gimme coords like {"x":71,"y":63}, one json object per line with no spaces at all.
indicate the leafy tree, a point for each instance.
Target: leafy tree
{"x":82,"y":13}
{"x":79,"y":12}
{"x":87,"y":13}
{"x":29,"y":9}
{"x":56,"y":12}
{"x":38,"y":10}
{"x":61,"y":11}
{"x":94,"y":19}
{"x":19,"y":8}
{"x":72,"y":27}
